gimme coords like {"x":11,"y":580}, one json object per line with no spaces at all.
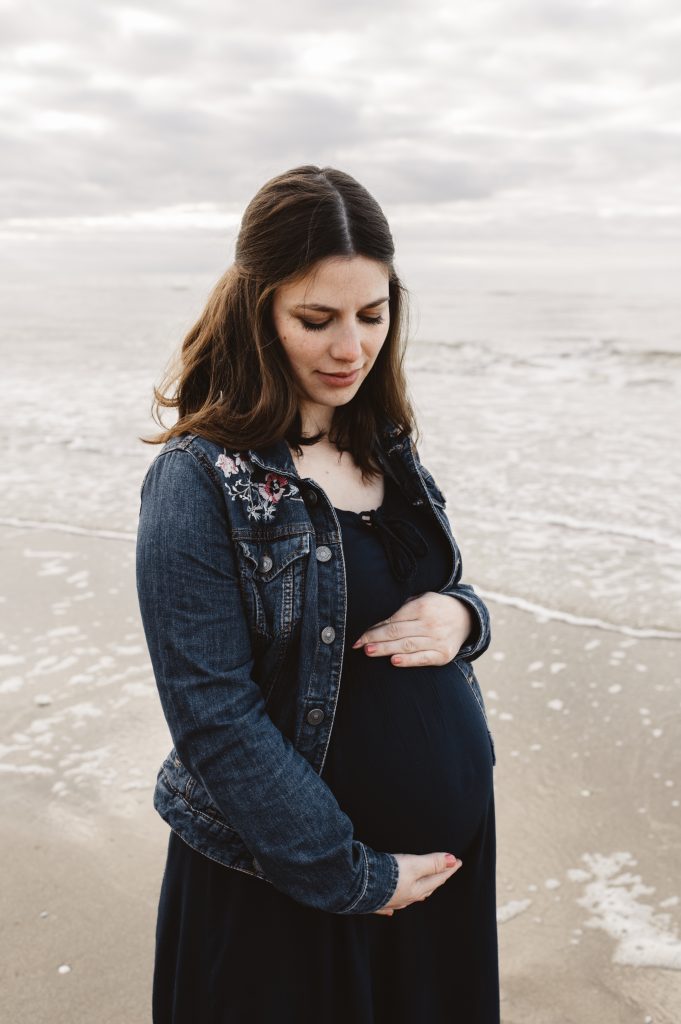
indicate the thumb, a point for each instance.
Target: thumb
{"x":443,"y":862}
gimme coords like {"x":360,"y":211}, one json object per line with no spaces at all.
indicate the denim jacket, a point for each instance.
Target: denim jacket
{"x":242,"y":593}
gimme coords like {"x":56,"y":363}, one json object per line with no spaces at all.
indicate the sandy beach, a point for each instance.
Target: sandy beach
{"x":587,"y":798}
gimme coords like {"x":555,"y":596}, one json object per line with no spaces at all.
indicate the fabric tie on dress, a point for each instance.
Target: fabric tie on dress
{"x":403,"y":541}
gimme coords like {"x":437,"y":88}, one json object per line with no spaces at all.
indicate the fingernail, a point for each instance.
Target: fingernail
{"x":450,"y":860}
{"x":358,"y":643}
{"x":370,"y":648}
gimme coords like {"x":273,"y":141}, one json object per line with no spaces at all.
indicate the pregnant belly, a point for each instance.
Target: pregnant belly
{"x":409,"y":759}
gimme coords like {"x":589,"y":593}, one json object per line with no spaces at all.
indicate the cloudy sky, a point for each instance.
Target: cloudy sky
{"x":499,"y":116}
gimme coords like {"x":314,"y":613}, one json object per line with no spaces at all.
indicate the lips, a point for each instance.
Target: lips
{"x":338,"y":380}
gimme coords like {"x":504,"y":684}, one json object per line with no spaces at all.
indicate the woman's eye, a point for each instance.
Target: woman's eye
{"x":309,"y":326}
{"x":314,"y":327}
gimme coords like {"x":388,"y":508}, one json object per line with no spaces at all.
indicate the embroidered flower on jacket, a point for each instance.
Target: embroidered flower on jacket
{"x":230,"y":466}
{"x":274,"y":487}
{"x":262,"y":497}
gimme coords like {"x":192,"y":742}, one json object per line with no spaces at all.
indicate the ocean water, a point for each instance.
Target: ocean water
{"x":548,"y":405}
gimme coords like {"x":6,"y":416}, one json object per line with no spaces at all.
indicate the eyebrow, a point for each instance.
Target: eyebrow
{"x":330,"y":309}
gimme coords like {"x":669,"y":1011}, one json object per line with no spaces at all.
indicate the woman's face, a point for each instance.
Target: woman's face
{"x":332,"y":322}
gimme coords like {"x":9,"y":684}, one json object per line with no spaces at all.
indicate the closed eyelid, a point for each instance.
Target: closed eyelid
{"x":311,"y":325}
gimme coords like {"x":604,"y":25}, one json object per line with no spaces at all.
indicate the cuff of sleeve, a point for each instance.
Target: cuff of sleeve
{"x":482,"y":635}
{"x":379,"y":882}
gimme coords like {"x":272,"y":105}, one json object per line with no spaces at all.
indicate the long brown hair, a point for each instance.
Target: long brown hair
{"x":231,"y":382}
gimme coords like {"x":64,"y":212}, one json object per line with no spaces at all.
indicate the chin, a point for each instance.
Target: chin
{"x":331,"y":396}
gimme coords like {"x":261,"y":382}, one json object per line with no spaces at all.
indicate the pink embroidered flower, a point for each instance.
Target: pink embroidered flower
{"x":261,"y":499}
{"x":273,"y":488}
{"x":227,"y":465}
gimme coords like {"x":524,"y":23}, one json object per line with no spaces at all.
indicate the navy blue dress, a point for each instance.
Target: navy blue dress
{"x":410,"y":762}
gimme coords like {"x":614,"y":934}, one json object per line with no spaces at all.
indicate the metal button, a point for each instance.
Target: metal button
{"x":328,"y":634}
{"x":323,"y":553}
{"x":265,"y":563}
{"x":310,"y":497}
{"x":315,"y":716}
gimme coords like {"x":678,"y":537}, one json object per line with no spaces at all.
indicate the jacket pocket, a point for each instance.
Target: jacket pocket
{"x":435,"y":492}
{"x":273,"y":573}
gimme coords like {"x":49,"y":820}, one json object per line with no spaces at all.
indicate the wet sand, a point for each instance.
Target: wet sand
{"x":587,"y":785}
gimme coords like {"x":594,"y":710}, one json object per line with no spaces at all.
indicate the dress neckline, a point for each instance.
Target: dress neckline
{"x":392,"y":525}
{"x":356,"y":515}
{"x":366,"y":511}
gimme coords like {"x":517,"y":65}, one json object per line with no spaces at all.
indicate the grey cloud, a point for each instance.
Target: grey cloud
{"x":437,"y":106}
{"x":414,"y":181}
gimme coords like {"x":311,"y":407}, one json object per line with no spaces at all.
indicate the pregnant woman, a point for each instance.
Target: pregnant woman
{"x":330,"y":788}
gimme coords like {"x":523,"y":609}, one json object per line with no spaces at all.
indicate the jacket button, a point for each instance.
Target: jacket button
{"x":323,"y":553}
{"x":315,"y":716}
{"x":310,"y":497}
{"x":328,"y":634}
{"x":265,"y":563}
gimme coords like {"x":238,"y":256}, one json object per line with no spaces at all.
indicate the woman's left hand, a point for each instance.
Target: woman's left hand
{"x":428,"y":629}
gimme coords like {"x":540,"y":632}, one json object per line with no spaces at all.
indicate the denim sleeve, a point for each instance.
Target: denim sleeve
{"x":200,"y":649}
{"x":480,"y":636}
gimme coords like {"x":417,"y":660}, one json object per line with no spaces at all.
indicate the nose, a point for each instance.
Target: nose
{"x":347,"y":344}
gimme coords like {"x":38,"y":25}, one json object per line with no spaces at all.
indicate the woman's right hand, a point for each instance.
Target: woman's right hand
{"x":420,"y":874}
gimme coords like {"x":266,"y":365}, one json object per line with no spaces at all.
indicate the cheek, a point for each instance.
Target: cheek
{"x":376,"y":348}
{"x":299,"y":350}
